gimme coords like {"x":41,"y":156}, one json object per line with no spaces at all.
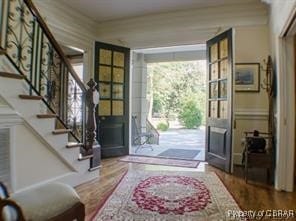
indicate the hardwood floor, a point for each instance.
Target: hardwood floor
{"x":250,"y":196}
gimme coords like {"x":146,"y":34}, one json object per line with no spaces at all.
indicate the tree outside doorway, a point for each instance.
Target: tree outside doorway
{"x":177,"y":94}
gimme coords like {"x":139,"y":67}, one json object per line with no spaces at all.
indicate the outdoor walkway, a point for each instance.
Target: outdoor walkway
{"x":185,"y":139}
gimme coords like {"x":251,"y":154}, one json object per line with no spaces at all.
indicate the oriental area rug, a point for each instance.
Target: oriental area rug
{"x":168,"y":196}
{"x":161,"y":161}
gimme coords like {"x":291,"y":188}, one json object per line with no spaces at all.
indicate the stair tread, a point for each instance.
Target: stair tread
{"x":30,"y":97}
{"x":61,"y":131}
{"x":73,"y":144}
{"x":12,"y":75}
{"x":46,"y":115}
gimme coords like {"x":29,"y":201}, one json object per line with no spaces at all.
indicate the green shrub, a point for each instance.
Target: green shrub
{"x":157,"y":105}
{"x":190,"y":115}
{"x":162,"y":126}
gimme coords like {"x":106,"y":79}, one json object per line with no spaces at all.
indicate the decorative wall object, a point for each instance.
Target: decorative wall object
{"x":268,"y":86}
{"x":247,"y":77}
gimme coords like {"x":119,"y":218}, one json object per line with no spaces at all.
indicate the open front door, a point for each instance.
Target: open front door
{"x":112,"y":77}
{"x":219,"y":101}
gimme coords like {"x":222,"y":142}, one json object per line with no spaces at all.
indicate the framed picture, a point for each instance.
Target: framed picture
{"x":247,"y":77}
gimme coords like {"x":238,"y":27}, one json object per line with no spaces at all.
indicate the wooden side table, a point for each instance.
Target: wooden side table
{"x":259,"y":160}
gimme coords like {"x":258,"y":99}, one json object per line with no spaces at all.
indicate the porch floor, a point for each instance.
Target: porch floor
{"x":184,"y":139}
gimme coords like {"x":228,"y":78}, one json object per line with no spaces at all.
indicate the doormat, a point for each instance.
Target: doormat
{"x":161,"y":161}
{"x":179,"y":153}
{"x":169,"y":196}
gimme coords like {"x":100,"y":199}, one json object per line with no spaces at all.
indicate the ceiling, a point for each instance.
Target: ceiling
{"x":106,"y":10}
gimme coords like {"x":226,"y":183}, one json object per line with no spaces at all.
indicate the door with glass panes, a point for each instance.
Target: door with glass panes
{"x":219,"y":100}
{"x":112,"y":77}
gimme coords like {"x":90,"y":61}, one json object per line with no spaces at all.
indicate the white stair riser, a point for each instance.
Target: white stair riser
{"x":10,"y":89}
{"x":48,"y":125}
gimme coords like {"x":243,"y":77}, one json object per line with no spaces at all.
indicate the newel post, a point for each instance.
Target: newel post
{"x":92,"y":146}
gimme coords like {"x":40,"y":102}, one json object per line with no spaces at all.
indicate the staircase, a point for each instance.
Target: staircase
{"x":39,"y":83}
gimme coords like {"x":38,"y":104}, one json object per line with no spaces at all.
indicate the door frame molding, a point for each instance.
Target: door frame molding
{"x":285,"y":69}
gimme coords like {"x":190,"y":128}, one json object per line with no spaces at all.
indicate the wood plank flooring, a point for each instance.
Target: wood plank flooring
{"x":250,"y":196}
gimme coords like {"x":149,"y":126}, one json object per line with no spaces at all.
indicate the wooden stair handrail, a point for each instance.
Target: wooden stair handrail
{"x":43,"y":25}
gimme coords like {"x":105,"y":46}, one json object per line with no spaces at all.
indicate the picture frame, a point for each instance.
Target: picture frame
{"x":247,"y":77}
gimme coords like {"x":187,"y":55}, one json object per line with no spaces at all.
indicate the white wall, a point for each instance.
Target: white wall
{"x":250,"y":108}
{"x":281,"y":13}
{"x":32,"y":161}
{"x":70,"y":28}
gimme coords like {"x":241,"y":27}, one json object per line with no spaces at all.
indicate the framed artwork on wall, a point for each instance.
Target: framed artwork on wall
{"x":247,"y":77}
